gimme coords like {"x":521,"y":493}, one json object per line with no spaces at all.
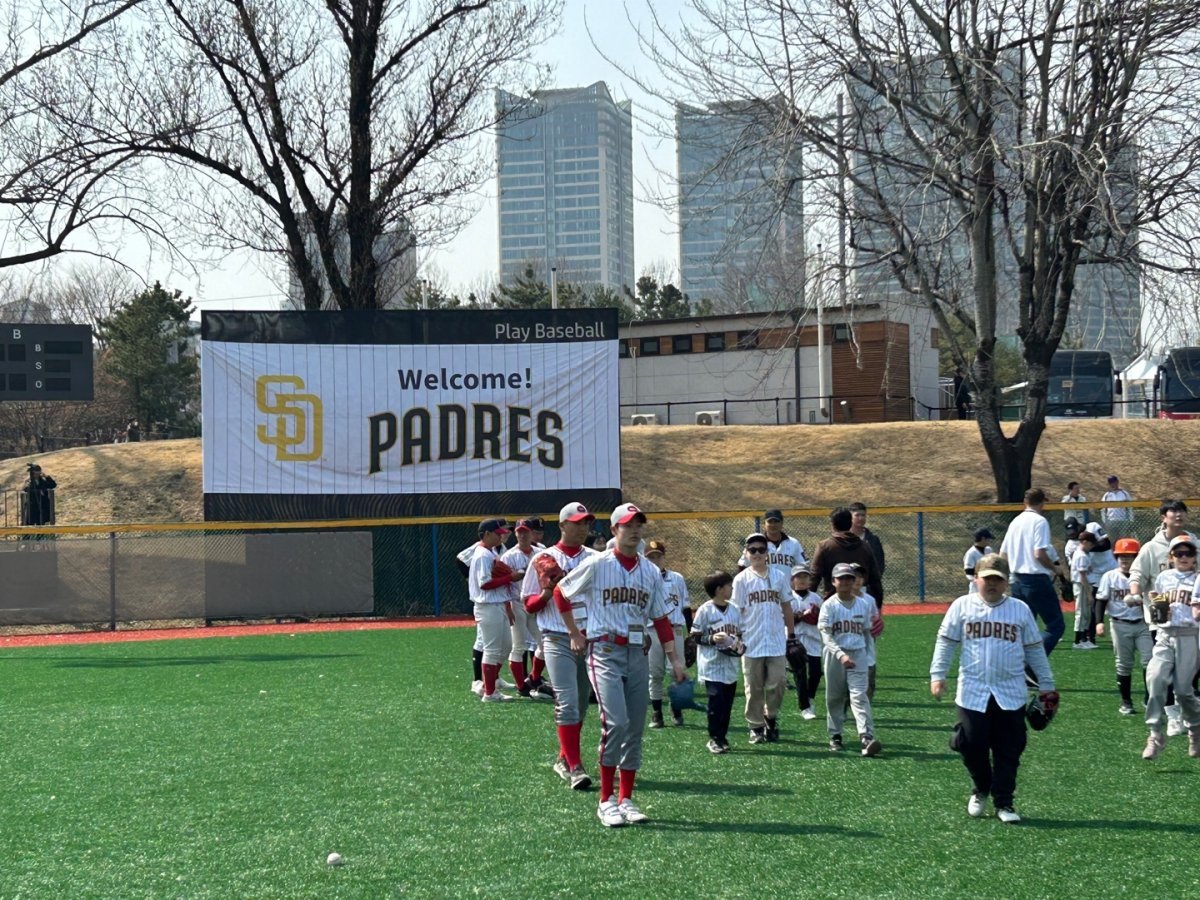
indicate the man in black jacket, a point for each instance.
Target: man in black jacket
{"x":39,"y":510}
{"x":844,"y":546}
{"x":858,"y":526}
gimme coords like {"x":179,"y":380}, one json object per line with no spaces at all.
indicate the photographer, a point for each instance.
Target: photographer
{"x":39,"y":502}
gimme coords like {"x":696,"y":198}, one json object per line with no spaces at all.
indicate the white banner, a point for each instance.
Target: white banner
{"x":409,"y":419}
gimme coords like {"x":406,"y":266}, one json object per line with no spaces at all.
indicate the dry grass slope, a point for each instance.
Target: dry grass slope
{"x":686,"y":468}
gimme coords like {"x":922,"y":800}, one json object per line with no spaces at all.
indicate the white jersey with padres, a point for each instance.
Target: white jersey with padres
{"x":711,"y":663}
{"x":846,"y":626}
{"x":677,"y":597}
{"x":970,"y":558}
{"x":1114,"y":587}
{"x":997,"y":642}
{"x":482,"y":561}
{"x":1178,"y":589}
{"x":787,"y":553}
{"x":549,"y":619}
{"x":809,"y":636}
{"x":760,"y":599}
{"x":619,"y":602}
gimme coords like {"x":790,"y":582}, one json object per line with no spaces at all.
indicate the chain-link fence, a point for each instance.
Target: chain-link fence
{"x":107,"y":577}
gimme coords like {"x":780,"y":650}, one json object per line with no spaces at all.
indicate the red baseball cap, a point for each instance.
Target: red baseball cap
{"x":624,"y":514}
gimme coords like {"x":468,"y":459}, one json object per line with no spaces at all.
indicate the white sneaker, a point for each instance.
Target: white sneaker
{"x":477,"y":688}
{"x":609,"y":814}
{"x":977,"y":806}
{"x":507,"y":685}
{"x":1175,"y":726}
{"x":631,"y":813}
{"x":496,"y":697}
{"x":1154,"y":746}
{"x":1126,"y":709}
{"x":1007,"y":815}
{"x":807,"y":714}
{"x":561,"y":769}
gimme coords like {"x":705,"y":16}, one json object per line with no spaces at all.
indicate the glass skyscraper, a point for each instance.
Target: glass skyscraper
{"x":565,"y":166}
{"x":741,"y":212}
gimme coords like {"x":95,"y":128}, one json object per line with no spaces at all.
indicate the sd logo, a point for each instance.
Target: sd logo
{"x":297,"y":418}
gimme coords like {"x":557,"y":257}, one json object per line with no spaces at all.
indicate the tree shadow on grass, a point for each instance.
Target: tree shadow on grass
{"x":1116,"y":825}
{"x":134,"y":662}
{"x":705,"y":788}
{"x":784,"y":828}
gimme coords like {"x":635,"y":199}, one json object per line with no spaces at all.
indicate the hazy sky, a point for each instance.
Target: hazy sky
{"x":240,"y":282}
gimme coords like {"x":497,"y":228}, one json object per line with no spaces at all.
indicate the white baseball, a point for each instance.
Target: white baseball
{"x":334,"y":859}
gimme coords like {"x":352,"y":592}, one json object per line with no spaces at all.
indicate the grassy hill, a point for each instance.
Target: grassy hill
{"x":684,"y":468}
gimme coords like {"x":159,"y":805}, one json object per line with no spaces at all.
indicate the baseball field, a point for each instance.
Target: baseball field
{"x":232,"y":767}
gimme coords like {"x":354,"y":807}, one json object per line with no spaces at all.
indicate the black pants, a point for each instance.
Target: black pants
{"x":993,"y":742}
{"x":720,"y":705}
{"x":807,"y":672}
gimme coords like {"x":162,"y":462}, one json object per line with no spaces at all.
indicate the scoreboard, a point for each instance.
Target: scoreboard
{"x":46,"y":362}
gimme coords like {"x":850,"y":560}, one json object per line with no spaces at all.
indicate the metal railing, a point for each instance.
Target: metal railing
{"x":113,"y":576}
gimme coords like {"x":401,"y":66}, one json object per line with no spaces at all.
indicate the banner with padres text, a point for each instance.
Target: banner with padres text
{"x":394,"y":413}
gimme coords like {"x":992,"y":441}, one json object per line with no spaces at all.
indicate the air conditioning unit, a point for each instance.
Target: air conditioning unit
{"x":643,"y":419}
{"x":709,"y":417}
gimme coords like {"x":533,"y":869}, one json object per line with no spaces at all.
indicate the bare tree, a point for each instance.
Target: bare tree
{"x":333,"y":135}
{"x":993,"y":150}
{"x":60,"y":187}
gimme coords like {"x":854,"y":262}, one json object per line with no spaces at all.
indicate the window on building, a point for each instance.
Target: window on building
{"x":623,"y":349}
{"x":841,"y":333}
{"x":681,"y":343}
{"x":648,"y":347}
{"x":714,"y":343}
{"x":747,"y":340}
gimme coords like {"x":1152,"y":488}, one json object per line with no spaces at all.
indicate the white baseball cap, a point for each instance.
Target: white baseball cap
{"x":574,"y":512}
{"x":624,"y":514}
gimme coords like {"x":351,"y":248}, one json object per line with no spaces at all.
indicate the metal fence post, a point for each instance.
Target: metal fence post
{"x":112,"y":581}
{"x":921,"y":557}
{"x":437,"y":588}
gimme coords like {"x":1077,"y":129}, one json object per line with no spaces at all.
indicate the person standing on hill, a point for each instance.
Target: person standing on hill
{"x":1073,"y":496}
{"x":1118,"y":520}
{"x":38,"y":505}
{"x":1027,"y":549}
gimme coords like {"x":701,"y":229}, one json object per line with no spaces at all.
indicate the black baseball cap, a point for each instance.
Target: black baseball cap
{"x":776,"y":514}
{"x":533,"y":523}
{"x":757,"y":538}
{"x":499,"y":526}
{"x":983,"y":534}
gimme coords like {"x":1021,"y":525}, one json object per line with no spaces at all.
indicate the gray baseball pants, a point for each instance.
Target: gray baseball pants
{"x":568,"y":677}
{"x":841,"y":683}
{"x":620,"y":673}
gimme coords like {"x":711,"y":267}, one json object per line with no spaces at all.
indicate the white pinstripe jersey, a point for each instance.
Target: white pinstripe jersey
{"x":809,"y":636}
{"x":787,"y":553}
{"x":618,"y":602}
{"x":1114,"y":587}
{"x":549,"y":619}
{"x":677,"y":597}
{"x":847,"y":625}
{"x":1179,"y":589}
{"x":994,"y":642}
{"x":760,"y":600}
{"x":711,"y":663}
{"x":482,"y":561}
{"x":516,"y":559}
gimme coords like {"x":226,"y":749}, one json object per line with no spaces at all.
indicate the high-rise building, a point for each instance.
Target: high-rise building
{"x":741,"y":208}
{"x":1106,"y":305}
{"x":565,"y":167}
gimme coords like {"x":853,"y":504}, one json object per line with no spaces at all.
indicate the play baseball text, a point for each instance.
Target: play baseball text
{"x":544,"y":332}
{"x":484,"y":431}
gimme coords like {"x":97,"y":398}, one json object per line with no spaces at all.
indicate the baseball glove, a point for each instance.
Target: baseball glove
{"x":689,"y":651}
{"x":796,"y":656}
{"x":549,"y":572}
{"x":735,"y":646}
{"x":811,"y":615}
{"x":876,"y":625}
{"x":1041,"y":710}
{"x":500,"y":569}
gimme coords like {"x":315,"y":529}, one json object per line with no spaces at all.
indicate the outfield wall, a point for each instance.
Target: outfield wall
{"x":107,"y":576}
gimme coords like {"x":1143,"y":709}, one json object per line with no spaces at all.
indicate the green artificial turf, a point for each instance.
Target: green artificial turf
{"x":232,"y":767}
